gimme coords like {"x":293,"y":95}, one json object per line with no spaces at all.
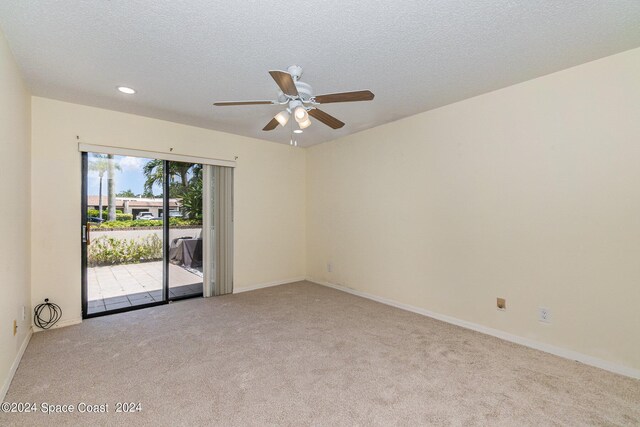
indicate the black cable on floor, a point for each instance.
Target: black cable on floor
{"x":47,"y":314}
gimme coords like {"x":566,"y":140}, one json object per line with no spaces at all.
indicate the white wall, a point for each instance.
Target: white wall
{"x":531,"y":193}
{"x":15,"y":213}
{"x":269,"y":197}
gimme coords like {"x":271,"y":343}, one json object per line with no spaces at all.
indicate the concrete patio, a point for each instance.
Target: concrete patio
{"x":126,"y":285}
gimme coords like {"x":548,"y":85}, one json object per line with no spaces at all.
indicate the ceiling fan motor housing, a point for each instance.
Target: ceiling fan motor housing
{"x":304,"y":91}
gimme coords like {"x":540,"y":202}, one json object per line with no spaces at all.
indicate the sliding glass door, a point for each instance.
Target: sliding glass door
{"x":185,"y":230}
{"x":122,"y":232}
{"x":142,"y":232}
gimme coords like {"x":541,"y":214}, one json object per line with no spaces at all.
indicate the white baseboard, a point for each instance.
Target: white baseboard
{"x":60,"y":324}
{"x":267,"y":285}
{"x":547,"y":348}
{"x":14,"y":365}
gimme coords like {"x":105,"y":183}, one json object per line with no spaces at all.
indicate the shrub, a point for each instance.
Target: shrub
{"x":192,"y":199}
{"x":182,"y":221}
{"x":124,"y":217}
{"x":106,"y":250}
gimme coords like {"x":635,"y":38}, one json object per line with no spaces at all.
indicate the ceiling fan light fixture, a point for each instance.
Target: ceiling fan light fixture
{"x":305,"y":124}
{"x":301,"y":114}
{"x":297,"y":131}
{"x":282,"y":117}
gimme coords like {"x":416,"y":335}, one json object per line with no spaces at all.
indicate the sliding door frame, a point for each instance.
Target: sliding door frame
{"x":85,"y":149}
{"x":166,"y":185}
{"x":166,"y":277}
{"x":83,"y":234}
{"x":85,"y":238}
{"x":85,"y":241}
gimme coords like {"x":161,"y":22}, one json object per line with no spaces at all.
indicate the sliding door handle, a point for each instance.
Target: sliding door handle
{"x":85,"y":233}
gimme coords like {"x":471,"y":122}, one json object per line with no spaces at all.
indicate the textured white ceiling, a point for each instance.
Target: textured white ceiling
{"x":182,"y":55}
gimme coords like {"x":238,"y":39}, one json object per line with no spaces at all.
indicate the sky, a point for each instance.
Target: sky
{"x":129,"y":177}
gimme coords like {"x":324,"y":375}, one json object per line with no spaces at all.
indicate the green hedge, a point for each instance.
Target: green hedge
{"x":105,"y":214}
{"x":131,"y":223}
{"x":106,"y":250}
{"x":147,"y":223}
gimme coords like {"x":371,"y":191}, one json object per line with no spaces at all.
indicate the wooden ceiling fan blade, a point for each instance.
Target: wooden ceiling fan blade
{"x":271,"y":125}
{"x":230,"y":103}
{"x":360,"y":95}
{"x":325,"y":118}
{"x":285,"y":82}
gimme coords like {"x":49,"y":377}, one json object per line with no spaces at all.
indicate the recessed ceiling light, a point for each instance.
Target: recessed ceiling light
{"x":126,"y":90}
{"x":297,"y":131}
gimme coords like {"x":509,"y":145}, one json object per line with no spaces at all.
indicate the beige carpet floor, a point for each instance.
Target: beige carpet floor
{"x":303,"y":354}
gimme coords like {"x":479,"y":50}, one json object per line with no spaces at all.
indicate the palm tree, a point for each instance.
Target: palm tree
{"x":188,"y":186}
{"x":99,"y":165}
{"x":102,"y":164}
{"x":154,"y":170}
{"x":181,"y":170}
{"x":111,"y":187}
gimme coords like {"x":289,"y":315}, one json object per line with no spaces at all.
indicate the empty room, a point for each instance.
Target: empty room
{"x":327,"y":213}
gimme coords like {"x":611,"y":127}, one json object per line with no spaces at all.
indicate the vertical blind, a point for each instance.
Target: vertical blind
{"x":218,"y":223}
{"x":223,"y":226}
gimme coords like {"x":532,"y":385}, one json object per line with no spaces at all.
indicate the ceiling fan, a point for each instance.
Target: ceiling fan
{"x":300,"y":101}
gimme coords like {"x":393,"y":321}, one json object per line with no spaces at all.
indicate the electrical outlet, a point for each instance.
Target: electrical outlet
{"x":15,"y":327}
{"x":329,"y":267}
{"x":544,"y":315}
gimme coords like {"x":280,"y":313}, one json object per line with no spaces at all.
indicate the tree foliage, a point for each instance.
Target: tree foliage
{"x":185,"y":183}
{"x":179,"y":176}
{"x":127,"y":193}
{"x":192,"y":199}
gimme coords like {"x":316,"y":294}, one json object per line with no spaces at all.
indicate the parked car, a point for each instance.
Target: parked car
{"x":146,"y":215}
{"x":95,"y":220}
{"x":175,"y":214}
